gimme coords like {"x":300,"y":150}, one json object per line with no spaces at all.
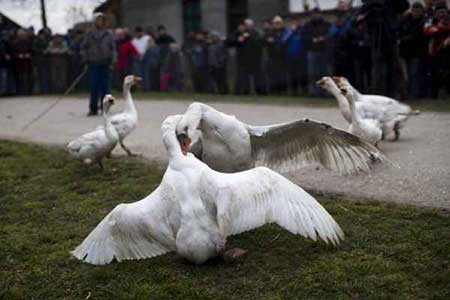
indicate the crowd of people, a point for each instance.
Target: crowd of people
{"x":388,"y":47}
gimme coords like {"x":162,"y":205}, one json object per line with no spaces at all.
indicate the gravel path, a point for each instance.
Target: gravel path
{"x":422,"y":154}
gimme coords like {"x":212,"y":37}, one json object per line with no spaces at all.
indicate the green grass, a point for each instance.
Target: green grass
{"x":426,"y":105}
{"x":49,"y":203}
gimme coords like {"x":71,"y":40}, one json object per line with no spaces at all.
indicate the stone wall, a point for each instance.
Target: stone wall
{"x":154,"y":13}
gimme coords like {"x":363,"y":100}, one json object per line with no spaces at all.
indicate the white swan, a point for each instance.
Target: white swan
{"x":126,"y":121}
{"x":366,"y":128}
{"x":389,"y":112}
{"x":195,"y":209}
{"x":229,"y":145}
{"x":95,"y":145}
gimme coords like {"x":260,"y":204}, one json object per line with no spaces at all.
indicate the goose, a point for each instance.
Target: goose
{"x":195,"y":209}
{"x":365,"y":128}
{"x":126,"y":121}
{"x":95,"y":145}
{"x":228,"y":145}
{"x":391,"y":114}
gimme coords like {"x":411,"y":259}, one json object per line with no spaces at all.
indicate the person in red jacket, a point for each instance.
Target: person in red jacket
{"x":126,"y":52}
{"x":439,"y":49}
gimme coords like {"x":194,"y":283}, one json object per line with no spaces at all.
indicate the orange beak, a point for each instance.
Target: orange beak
{"x":185,"y":145}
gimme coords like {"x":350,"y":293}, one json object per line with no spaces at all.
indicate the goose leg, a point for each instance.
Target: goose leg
{"x":396,"y":132}
{"x":126,"y":149}
{"x":100,"y":163}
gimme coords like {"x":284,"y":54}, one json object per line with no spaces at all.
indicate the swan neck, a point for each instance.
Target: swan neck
{"x":127,"y":95}
{"x":109,"y":127}
{"x":342,"y":102}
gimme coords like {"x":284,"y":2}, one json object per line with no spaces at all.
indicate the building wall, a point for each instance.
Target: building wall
{"x":260,"y":10}
{"x":214,"y":14}
{"x":154,"y":13}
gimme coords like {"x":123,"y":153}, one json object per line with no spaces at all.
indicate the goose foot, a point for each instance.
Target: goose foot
{"x":233,"y":254}
{"x":128,"y":151}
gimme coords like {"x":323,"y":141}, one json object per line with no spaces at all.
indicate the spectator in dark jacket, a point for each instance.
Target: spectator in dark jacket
{"x":98,"y":50}
{"x":59,"y":64}
{"x":413,"y":49}
{"x":22,"y":50}
{"x":361,"y":54}
{"x":295,"y":57}
{"x":217,"y":63}
{"x":339,"y":44}
{"x":276,"y":55}
{"x":7,"y":82}
{"x":199,"y":64}
{"x":250,"y":44}
{"x":41,"y":59}
{"x":315,"y":33}
{"x":151,"y":61}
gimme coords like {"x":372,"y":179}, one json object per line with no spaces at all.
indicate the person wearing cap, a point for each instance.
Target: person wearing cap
{"x":98,"y":51}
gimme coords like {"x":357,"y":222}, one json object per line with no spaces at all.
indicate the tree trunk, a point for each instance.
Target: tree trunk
{"x":43,"y":14}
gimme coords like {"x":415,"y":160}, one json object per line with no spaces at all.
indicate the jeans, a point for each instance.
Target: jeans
{"x":415,"y":71}
{"x":317,"y":67}
{"x":99,"y":84}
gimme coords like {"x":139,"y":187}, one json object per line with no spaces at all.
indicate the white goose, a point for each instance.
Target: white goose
{"x":366,"y":128}
{"x":389,"y":112}
{"x":228,"y":145}
{"x":195,"y":209}
{"x":96,"y":145}
{"x":126,"y":121}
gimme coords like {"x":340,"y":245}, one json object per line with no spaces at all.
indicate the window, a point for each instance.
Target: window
{"x":192,"y":16}
{"x":237,"y":11}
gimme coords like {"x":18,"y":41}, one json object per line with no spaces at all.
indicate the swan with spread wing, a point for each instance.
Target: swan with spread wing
{"x":228,"y":145}
{"x":195,"y":209}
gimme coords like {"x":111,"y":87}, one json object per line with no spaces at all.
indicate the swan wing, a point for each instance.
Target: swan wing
{"x":130,"y":231}
{"x":288,"y":146}
{"x":250,"y":199}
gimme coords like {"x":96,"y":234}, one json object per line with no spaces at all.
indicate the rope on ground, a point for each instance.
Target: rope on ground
{"x":69,"y":89}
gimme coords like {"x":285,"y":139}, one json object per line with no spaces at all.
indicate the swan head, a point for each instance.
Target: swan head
{"x":326,"y":83}
{"x":341,"y":81}
{"x":131,"y":80}
{"x":190,"y":123}
{"x":185,"y":143}
{"x":108,"y":101}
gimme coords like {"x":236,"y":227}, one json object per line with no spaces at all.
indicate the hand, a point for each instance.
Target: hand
{"x":447,"y":42}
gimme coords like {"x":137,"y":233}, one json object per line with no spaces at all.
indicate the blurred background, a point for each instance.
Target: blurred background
{"x":278,"y":47}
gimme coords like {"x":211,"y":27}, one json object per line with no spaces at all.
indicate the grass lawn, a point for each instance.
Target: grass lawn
{"x":49,"y":203}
